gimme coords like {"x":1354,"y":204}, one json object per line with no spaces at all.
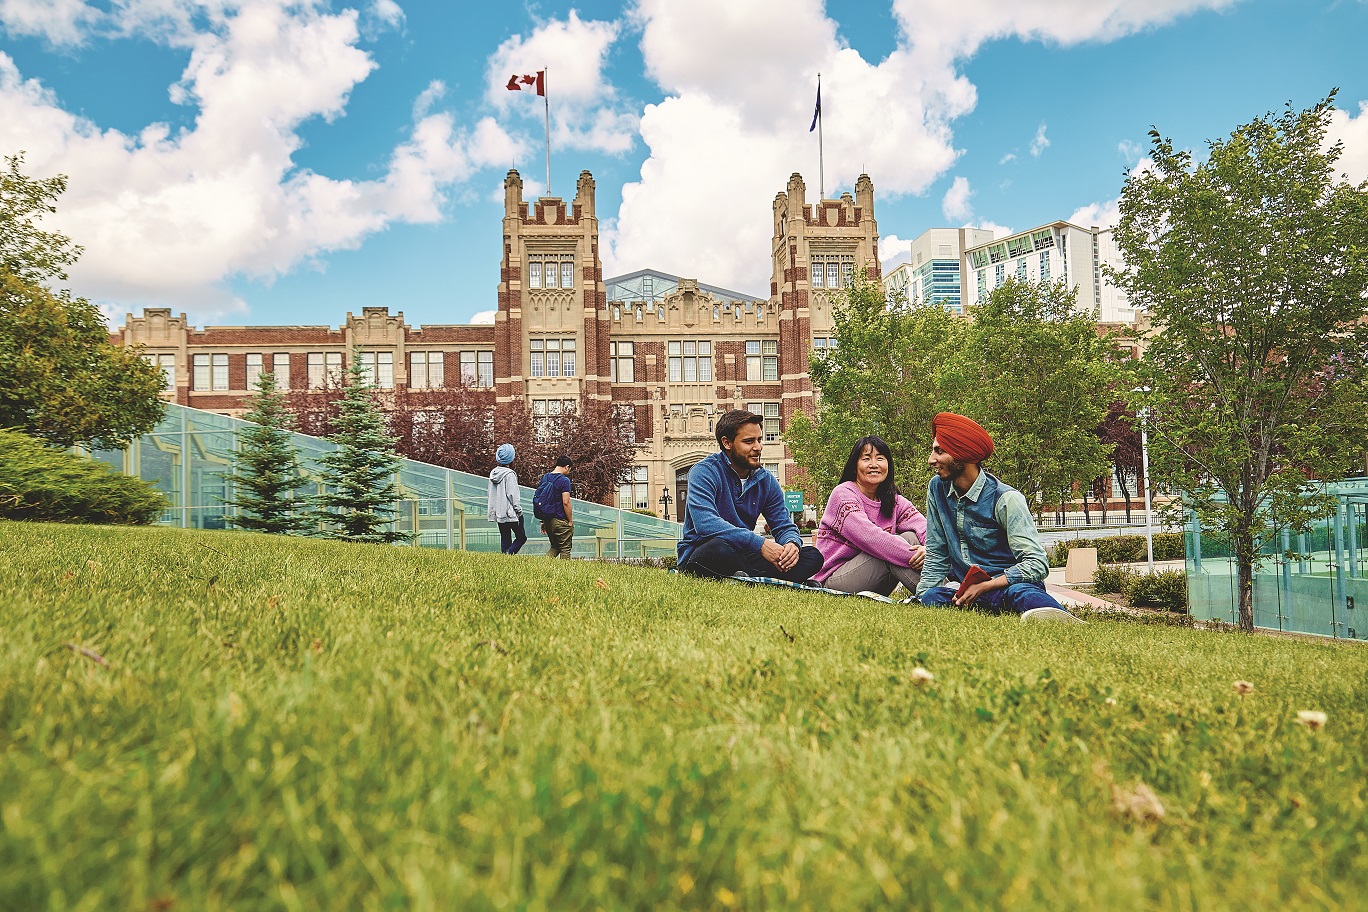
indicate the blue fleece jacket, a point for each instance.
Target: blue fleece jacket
{"x":721,"y":505}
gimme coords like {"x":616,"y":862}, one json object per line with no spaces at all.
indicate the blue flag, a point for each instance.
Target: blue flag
{"x":817,"y":111}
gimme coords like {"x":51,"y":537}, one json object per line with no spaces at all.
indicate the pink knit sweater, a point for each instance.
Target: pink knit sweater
{"x":851,"y":525}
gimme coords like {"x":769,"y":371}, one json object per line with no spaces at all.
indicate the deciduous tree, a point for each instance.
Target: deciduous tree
{"x":1253,"y":264}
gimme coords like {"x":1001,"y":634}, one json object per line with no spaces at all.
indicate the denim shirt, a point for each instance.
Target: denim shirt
{"x":988,"y":525}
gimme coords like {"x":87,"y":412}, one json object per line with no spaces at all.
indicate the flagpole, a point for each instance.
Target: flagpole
{"x":821,"y":156}
{"x":546,"y":97}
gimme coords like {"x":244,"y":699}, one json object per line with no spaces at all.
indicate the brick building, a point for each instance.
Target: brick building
{"x":672,"y":351}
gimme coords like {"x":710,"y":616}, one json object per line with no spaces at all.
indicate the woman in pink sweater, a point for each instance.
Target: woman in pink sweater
{"x":871,"y":537}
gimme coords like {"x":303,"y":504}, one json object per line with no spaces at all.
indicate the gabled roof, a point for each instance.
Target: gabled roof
{"x":634,"y":287}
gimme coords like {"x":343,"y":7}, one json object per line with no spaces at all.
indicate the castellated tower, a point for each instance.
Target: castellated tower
{"x":551,"y":327}
{"x":816,"y":251}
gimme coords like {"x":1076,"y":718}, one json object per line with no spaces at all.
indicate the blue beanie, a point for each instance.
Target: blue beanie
{"x":504,"y":454}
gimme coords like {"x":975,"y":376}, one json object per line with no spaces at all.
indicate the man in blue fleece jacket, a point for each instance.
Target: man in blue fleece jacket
{"x":728,"y":492}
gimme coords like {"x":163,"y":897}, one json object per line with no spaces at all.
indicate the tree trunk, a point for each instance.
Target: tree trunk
{"x":1244,"y":579}
{"x":1125,"y":494}
{"x":1087,"y":512}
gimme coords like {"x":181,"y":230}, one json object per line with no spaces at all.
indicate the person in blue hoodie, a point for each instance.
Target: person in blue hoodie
{"x":728,"y":492}
{"x":505,"y":506}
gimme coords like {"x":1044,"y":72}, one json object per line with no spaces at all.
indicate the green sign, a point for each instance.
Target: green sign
{"x":794,"y":501}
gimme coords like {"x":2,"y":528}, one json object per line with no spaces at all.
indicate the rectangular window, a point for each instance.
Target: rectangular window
{"x":690,"y":361}
{"x":770,"y":411}
{"x":378,"y":369}
{"x":253,"y":369}
{"x":621,"y":366}
{"x":567,"y":357}
{"x":220,"y":371}
{"x":199,"y":372}
{"x":334,"y":362}
{"x":982,"y":284}
{"x":317,"y":377}
{"x":470,"y":374}
{"x":568,"y":275}
{"x":1021,"y":269}
{"x":280,"y":366}
{"x":770,"y":350}
{"x":1044,"y":265}
{"x":552,"y":358}
{"x":833,"y":274}
{"x":818,"y":274}
{"x":534,"y":275}
{"x":753,"y":361}
{"x":427,"y":370}
{"x":484,"y":376}
{"x":999,"y":275}
{"x":167,"y":363}
{"x":537,"y":362}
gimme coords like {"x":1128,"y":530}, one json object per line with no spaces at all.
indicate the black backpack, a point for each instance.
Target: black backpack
{"x":544,"y":500}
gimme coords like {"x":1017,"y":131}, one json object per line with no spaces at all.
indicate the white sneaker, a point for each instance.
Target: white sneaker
{"x":1058,"y":615}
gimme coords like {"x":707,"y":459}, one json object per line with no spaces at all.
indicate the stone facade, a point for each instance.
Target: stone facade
{"x":672,"y":351}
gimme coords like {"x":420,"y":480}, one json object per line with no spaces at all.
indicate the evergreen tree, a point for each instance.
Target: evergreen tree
{"x":268,"y":467}
{"x":359,"y":495}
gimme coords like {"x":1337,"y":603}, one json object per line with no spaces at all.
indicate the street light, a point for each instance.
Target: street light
{"x":665,"y":501}
{"x":1143,"y":414}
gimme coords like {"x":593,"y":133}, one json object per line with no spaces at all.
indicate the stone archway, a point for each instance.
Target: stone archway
{"x":682,"y":465}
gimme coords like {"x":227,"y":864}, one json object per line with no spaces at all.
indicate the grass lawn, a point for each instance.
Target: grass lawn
{"x":286,"y":724}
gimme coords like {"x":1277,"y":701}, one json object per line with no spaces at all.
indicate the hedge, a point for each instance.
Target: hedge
{"x":1121,"y":549}
{"x":1166,"y":589}
{"x":40,"y":482}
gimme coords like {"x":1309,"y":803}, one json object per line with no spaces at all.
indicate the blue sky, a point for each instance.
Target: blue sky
{"x":288,"y":161}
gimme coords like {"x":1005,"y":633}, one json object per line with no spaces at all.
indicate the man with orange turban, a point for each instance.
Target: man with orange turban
{"x":982,"y":547}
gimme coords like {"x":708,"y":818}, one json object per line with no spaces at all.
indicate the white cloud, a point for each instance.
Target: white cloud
{"x":1105,"y":214}
{"x":1040,"y":143}
{"x":1353,"y":132}
{"x":739,"y":81}
{"x":167,"y":217}
{"x":1130,"y":151}
{"x":59,"y":22}
{"x":955,"y":205}
{"x":999,"y":231}
{"x":893,"y":251}
{"x":1010,"y":156}
{"x":483,"y":316}
{"x":388,"y":12}
{"x":586,"y":112}
{"x":436,"y":90}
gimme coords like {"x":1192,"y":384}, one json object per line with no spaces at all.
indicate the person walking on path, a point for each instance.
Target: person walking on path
{"x":505,"y":507}
{"x":980,"y":535}
{"x":728,"y":492}
{"x":551,"y":504}
{"x":871,"y":537}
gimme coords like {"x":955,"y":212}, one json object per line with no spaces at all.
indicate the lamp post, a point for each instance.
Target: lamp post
{"x":1143,"y":415}
{"x":665,"y":501}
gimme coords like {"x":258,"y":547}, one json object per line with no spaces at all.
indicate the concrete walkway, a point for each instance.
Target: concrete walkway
{"x":1056,"y":585}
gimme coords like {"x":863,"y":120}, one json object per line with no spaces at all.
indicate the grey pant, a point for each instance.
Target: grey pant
{"x":865,"y":572}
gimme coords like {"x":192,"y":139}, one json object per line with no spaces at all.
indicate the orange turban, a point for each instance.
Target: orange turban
{"x":963,"y":438}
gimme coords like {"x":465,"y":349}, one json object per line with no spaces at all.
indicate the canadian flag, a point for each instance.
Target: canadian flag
{"x":537,"y":81}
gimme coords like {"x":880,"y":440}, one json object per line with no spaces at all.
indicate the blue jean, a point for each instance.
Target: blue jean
{"x":1017,"y":598}
{"x":512,"y":536}
{"x":716,"y":559}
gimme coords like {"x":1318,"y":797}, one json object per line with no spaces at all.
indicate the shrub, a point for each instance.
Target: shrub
{"x":39,"y":482}
{"x":1121,"y":549}
{"x":1166,"y":590}
{"x":644,"y":512}
{"x":1112,"y":579}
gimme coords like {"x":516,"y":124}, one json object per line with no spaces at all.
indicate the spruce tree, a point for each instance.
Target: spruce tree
{"x":358,"y":477}
{"x":268,"y":472}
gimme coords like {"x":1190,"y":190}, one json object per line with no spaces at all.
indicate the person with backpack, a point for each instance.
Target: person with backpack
{"x":551,"y":504}
{"x":505,"y":507}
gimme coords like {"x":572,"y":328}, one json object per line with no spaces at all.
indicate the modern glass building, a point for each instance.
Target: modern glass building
{"x":1322,"y":588}
{"x":188,"y":456}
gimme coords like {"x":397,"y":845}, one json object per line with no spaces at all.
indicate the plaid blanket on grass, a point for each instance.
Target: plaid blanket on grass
{"x":771,"y":581}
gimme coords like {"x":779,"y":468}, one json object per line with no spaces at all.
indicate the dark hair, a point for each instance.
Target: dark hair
{"x":563,"y":460}
{"x":887,"y":490}
{"x":731,"y":422}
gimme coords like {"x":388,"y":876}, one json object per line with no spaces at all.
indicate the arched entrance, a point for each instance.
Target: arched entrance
{"x":681,"y":486}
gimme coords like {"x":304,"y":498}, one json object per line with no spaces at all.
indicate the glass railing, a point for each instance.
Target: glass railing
{"x":1316,"y":582}
{"x":191,"y":453}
